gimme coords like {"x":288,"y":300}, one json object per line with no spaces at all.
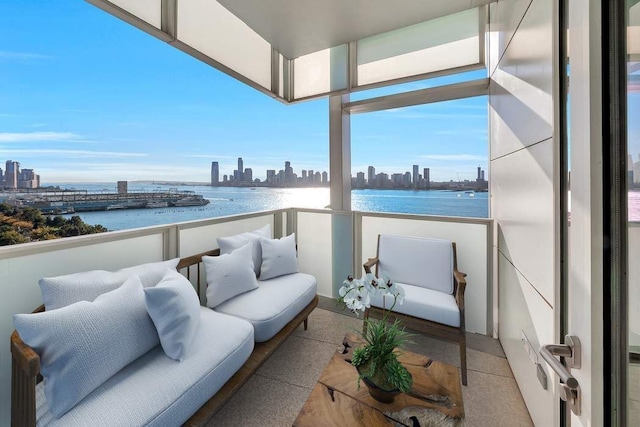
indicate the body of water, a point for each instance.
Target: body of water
{"x":232,"y":200}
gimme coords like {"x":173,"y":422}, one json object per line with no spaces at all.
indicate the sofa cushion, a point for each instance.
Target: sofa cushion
{"x":276,"y":301}
{"x":425,"y":304}
{"x":174,"y":308}
{"x":279,"y":257}
{"x":61,"y":291}
{"x":229,"y":275}
{"x":84,"y":344}
{"x":155,"y":390}
{"x":231,"y":243}
{"x":417,"y":261}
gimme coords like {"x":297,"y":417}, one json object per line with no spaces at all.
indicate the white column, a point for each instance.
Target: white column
{"x":340,"y":153}
{"x":340,"y":170}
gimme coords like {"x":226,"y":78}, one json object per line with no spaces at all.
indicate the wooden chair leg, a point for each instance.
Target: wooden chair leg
{"x":463,"y":357}
{"x":306,"y":323}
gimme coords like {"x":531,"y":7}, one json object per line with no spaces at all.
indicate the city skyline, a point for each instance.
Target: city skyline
{"x":77,"y":113}
{"x":287,"y":177}
{"x":14,"y":177}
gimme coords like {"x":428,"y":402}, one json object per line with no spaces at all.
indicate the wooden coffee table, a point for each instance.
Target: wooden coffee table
{"x":435,"y":399}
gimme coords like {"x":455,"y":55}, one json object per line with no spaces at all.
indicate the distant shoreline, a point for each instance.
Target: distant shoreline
{"x":437,"y":186}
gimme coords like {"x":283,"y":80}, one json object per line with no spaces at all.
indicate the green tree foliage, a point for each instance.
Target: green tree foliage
{"x":11,"y":237}
{"x":22,"y":225}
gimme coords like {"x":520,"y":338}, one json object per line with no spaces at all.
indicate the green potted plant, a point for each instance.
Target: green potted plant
{"x":377,"y":361}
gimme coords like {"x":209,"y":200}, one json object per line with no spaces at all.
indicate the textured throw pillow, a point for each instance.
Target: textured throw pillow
{"x":61,"y":291}
{"x":174,"y":308}
{"x":231,"y":243}
{"x":84,"y":344}
{"x":278,"y":257}
{"x":229,"y":275}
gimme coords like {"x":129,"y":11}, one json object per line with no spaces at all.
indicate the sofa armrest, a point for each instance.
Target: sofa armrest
{"x":460,"y":285}
{"x":24,"y":356}
{"x":25,"y":374}
{"x":367,"y":265}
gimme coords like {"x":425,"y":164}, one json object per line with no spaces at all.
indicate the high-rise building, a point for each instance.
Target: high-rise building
{"x":288,"y":173}
{"x":225,"y":178}
{"x":27,"y":178}
{"x":271,"y":176}
{"x":371,"y":176}
{"x":122,"y":187}
{"x":382,"y":180}
{"x":1,"y":178}
{"x":239,"y":176}
{"x":304,"y":175}
{"x":248,"y":175}
{"x":360,"y":180}
{"x":215,"y":173}
{"x":11,"y":174}
{"x":325,"y":177}
{"x":416,"y":176}
{"x":427,"y":178}
{"x":479,"y":173}
{"x":406,"y":181}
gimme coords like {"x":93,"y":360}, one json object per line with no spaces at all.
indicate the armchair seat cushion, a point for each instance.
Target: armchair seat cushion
{"x":273,"y":304}
{"x":425,"y":304}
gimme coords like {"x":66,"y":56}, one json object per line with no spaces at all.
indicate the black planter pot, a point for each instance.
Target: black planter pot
{"x":379,"y":394}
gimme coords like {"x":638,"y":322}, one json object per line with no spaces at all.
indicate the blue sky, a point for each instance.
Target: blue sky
{"x":87,"y":97}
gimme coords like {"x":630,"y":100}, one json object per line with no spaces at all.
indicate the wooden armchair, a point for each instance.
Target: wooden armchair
{"x":427,"y":270}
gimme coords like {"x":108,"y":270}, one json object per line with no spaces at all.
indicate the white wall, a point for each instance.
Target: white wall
{"x":523,"y":165}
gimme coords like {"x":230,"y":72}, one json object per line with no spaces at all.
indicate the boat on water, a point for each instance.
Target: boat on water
{"x":191,"y":200}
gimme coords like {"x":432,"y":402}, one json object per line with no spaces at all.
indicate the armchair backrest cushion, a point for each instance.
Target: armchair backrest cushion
{"x":423,"y":262}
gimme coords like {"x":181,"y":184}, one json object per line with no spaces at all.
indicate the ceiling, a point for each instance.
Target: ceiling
{"x":299,"y":27}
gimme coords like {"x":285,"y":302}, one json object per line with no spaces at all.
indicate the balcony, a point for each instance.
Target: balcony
{"x":331,"y":245}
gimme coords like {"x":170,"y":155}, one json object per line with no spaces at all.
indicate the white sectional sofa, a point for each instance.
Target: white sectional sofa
{"x":159,"y":386}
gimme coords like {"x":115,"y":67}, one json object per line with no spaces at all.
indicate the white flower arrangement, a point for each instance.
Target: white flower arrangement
{"x":356,"y":293}
{"x":376,"y":361}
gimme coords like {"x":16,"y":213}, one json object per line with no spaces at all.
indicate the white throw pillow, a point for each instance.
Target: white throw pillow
{"x":174,"y":308}
{"x":84,"y":344}
{"x":278,"y":257}
{"x":229,"y":275}
{"x":231,"y":243}
{"x":64,"y":290}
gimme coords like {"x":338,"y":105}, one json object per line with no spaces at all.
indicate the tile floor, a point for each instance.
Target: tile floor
{"x":277,"y":392}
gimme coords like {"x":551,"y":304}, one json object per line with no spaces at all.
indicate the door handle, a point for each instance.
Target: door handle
{"x":570,"y":351}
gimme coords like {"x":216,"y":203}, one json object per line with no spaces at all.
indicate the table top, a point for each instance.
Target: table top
{"x":435,"y":398}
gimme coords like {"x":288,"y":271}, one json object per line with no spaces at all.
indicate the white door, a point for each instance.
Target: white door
{"x":596,"y":288}
{"x":583,"y":305}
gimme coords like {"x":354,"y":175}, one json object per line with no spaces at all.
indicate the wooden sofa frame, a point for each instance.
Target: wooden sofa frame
{"x":26,"y":363}
{"x":429,"y":327}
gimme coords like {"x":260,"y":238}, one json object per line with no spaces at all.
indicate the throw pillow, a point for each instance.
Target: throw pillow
{"x":229,"y":275}
{"x":231,"y":243}
{"x":64,"y":290}
{"x":174,"y":308}
{"x":84,"y":344}
{"x":278,"y":257}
